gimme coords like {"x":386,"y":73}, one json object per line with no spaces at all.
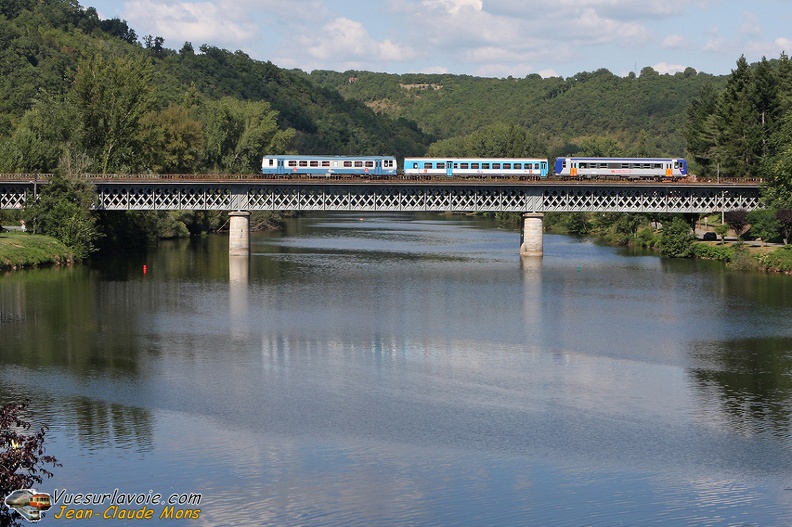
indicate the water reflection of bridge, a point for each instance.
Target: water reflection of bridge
{"x":400,"y":196}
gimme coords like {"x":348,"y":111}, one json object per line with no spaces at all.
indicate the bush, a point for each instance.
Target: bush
{"x":743,"y":260}
{"x":779,"y":260}
{"x":712,"y":252}
{"x":22,"y":456}
{"x":676,"y":240}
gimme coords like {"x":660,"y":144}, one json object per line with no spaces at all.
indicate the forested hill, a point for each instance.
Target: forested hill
{"x":51,"y":49}
{"x":59,"y":63}
{"x":563,"y":112}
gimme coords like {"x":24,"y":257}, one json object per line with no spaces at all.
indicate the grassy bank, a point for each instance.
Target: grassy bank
{"x":19,"y":250}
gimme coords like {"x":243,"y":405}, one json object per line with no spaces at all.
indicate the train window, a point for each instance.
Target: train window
{"x":474,"y":166}
{"x":563,"y":164}
{"x":358,"y":164}
{"x":370,"y":164}
{"x":347,"y":164}
{"x":507,"y":166}
{"x":326,"y":164}
{"x":291,"y":163}
{"x":303,"y":163}
{"x":314,"y":163}
{"x":415,"y":165}
{"x":463,"y":165}
{"x":441,"y":165}
{"x":496,"y":166}
{"x":676,"y":164}
{"x":485,"y":166}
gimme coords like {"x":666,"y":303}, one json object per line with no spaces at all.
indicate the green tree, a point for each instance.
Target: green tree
{"x":62,"y":210}
{"x":601,"y":146}
{"x":676,"y":240}
{"x":737,"y":124}
{"x":721,"y":230}
{"x":238,"y":133}
{"x":171,"y":141}
{"x":764,"y":224}
{"x":698,"y":129}
{"x":111,"y":96}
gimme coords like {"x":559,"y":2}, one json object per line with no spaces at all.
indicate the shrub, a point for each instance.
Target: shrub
{"x":22,"y":456}
{"x":676,"y":240}
{"x":712,"y":252}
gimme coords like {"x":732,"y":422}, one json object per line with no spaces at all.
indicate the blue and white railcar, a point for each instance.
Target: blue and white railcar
{"x":284,"y":165}
{"x":621,"y":167}
{"x":475,"y":167}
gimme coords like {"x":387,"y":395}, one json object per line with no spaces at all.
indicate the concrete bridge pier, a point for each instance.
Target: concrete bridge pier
{"x":531,"y":238}
{"x":239,"y":233}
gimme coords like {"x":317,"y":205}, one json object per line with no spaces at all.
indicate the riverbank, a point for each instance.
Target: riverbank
{"x":20,"y":250}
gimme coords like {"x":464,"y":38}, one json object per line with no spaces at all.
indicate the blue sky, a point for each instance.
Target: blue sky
{"x":489,"y":38}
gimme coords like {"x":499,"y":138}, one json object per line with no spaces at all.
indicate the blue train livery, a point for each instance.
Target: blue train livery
{"x":475,"y":167}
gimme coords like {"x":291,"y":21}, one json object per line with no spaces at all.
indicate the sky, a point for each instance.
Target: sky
{"x":484,"y":38}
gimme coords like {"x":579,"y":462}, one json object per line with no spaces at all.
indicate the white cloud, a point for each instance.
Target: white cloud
{"x":349,"y":42}
{"x":674,"y":41}
{"x":453,"y":7}
{"x":750,"y":25}
{"x":204,"y":22}
{"x":665,"y":67}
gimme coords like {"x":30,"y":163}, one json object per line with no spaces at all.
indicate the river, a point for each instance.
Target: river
{"x":398,"y":369}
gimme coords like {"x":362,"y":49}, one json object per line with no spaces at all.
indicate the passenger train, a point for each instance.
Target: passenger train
{"x":621,"y":168}
{"x":475,"y":167}
{"x":282,"y":165}
{"x":386,"y":167}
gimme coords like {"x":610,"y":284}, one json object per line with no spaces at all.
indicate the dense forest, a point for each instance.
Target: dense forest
{"x":643,"y":113}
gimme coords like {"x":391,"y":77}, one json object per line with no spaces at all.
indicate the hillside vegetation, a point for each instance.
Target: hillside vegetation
{"x":644,"y":113}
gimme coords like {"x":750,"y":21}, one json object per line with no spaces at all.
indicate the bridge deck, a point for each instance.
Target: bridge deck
{"x":403,"y":195}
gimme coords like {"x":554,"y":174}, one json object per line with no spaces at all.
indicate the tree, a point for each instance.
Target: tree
{"x":23,"y":458}
{"x":239,"y":132}
{"x":738,"y":131}
{"x":784,"y":217}
{"x":697,"y":128}
{"x":676,"y":239}
{"x":62,"y":210}
{"x":737,"y":220}
{"x":764,"y":224}
{"x":171,"y":141}
{"x":721,"y":230}
{"x":111,"y":97}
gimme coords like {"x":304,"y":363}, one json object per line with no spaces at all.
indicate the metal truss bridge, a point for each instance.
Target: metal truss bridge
{"x":370,"y":196}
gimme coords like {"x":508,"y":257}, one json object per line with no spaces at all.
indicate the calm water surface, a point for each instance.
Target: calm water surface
{"x":411,"y":370}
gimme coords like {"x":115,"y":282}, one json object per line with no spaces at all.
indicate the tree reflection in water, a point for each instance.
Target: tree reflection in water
{"x":752,"y":382}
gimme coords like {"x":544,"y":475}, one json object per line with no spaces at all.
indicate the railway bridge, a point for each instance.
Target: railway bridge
{"x":241,"y":196}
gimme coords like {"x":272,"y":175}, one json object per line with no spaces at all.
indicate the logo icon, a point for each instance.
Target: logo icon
{"x":29,"y":503}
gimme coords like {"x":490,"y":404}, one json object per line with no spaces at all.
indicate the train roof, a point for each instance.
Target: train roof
{"x":321,"y":156}
{"x":478,"y":158}
{"x":592,"y":158}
